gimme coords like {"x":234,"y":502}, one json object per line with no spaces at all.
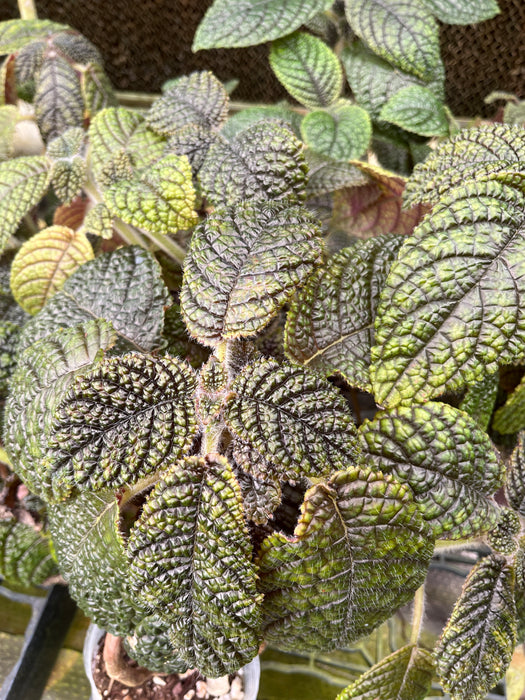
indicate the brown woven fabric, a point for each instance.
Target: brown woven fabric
{"x":144,"y":42}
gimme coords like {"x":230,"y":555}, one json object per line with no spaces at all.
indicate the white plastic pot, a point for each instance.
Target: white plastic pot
{"x":251,"y":672}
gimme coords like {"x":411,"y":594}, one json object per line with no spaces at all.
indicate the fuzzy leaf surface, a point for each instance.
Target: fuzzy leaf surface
{"x":515,"y":482}
{"x":448,"y":462}
{"x":133,"y":301}
{"x":230,"y":23}
{"x":294,"y":419}
{"x":25,"y":558}
{"x":309,"y":70}
{"x":452,"y":307}
{"x":341,"y":132}
{"x":359,"y":551}
{"x":244,"y":263}
{"x":510,"y":418}
{"x":418,"y":110}
{"x":330,"y":325}
{"x":400,"y":31}
{"x":192,"y":536}
{"x":264,"y":161}
{"x":404,"y":675}
{"x":17,"y":33}
{"x":58,"y":97}
{"x":23,"y":182}
{"x":44,"y":263}
{"x":477,"y":643}
{"x":462,"y":11}
{"x":92,"y":558}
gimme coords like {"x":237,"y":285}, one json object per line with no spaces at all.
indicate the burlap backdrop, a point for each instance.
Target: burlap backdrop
{"x":144,"y":42}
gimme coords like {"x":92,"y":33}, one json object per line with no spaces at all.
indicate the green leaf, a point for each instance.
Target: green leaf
{"x":483,"y":150}
{"x":239,"y":121}
{"x":342,"y":132}
{"x":293,"y":418}
{"x":44,"y":371}
{"x":229,"y":23}
{"x":451,"y":311}
{"x":25,"y":558}
{"x":515,"y":482}
{"x":448,"y":462}
{"x":260,"y":497}
{"x":8,"y":120}
{"x":479,"y":400}
{"x":178,"y":342}
{"x":418,"y":110}
{"x":308,"y":69}
{"x":326,"y":175}
{"x":244,"y":263}
{"x":510,"y":418}
{"x":119,"y":423}
{"x":23,"y":182}
{"x":462,"y":11}
{"x":359,"y":551}
{"x":133,"y":300}
{"x":477,"y":644}
{"x":17,"y":33}
{"x":264,"y":161}
{"x":9,"y":334}
{"x":99,"y":221}
{"x":520,"y":591}
{"x":68,"y":171}
{"x":160,"y":200}
{"x":58,"y":98}
{"x":503,"y":537}
{"x":192,"y":141}
{"x":190,"y":560}
{"x":198,"y":98}
{"x":91,"y":555}
{"x":404,"y":33}
{"x":97,"y":92}
{"x":404,"y":675}
{"x":330,"y":325}
{"x":151,"y":648}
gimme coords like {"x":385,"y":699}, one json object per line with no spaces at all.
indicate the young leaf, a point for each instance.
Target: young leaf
{"x":119,"y":423}
{"x":58,"y":98}
{"x":342,"y":132}
{"x":404,"y":33}
{"x":92,"y":559}
{"x":462,"y":11}
{"x":330,"y":325}
{"x":99,"y":221}
{"x":451,"y":310}
{"x":294,"y":419}
{"x":327,"y":175}
{"x":230,"y":23}
{"x":242,"y":267}
{"x":198,"y":98}
{"x":25,"y":558}
{"x":68,"y":172}
{"x":192,"y":533}
{"x":515,"y":483}
{"x":448,"y":462}
{"x":17,"y":33}
{"x":510,"y":418}
{"x":45,"y":262}
{"x":23,"y":182}
{"x":264,"y":161}
{"x":359,"y":551}
{"x":160,"y":200}
{"x":404,"y":675}
{"x":308,"y":69}
{"x":477,"y":644}
{"x":259,"y":497}
{"x":133,"y":301}
{"x":479,"y":400}
{"x":416,"y":109}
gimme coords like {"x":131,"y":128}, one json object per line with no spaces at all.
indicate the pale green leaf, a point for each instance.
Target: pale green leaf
{"x":510,"y":418}
{"x":480,"y":398}
{"x":462,"y":11}
{"x":68,"y":170}
{"x":416,"y":109}
{"x":97,"y":92}
{"x":17,"y":33}
{"x":99,"y":221}
{"x":341,"y":132}
{"x":239,"y":121}
{"x":25,"y":557}
{"x":8,"y":120}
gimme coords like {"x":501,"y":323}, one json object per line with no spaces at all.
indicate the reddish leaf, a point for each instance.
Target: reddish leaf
{"x":71,"y":215}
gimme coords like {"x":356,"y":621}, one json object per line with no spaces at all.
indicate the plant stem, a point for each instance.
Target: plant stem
{"x":417,"y":614}
{"x":27,"y":9}
{"x":168,"y":245}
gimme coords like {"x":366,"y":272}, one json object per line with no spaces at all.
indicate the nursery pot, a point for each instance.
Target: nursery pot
{"x":251,"y":672}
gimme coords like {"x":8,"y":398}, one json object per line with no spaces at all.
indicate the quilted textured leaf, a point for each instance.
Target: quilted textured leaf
{"x":68,"y":172}
{"x":23,"y":182}
{"x":133,"y":300}
{"x":404,"y":675}
{"x":477,"y":644}
{"x":9,"y":333}
{"x":515,"y":482}
{"x":308,"y":69}
{"x":330,"y":325}
{"x":9,"y":309}
{"x":25,"y":558}
{"x":503,"y":537}
{"x":198,"y":98}
{"x":99,"y":221}
{"x":510,"y":418}
{"x":161,"y":200}
{"x":479,"y":400}
{"x":451,"y":310}
{"x":44,"y":372}
{"x":92,"y":559}
{"x":358,"y":553}
{"x":251,"y":115}
{"x":260,"y":498}
{"x":448,"y":462}
{"x":462,"y":11}
{"x":44,"y":263}
{"x":178,"y":341}
{"x":401,"y":31}
{"x":295,"y":419}
{"x":342,"y":132}
{"x":97,"y":91}
{"x":229,"y":23}
{"x":17,"y":33}
{"x":374,"y":81}
{"x":264,"y":161}
{"x":192,"y":141}
{"x":75,"y":47}
{"x":120,"y":422}
{"x":8,"y":120}
{"x":249,"y":461}
{"x":520,"y":591}
{"x":58,"y":98}
{"x":478,"y":151}
{"x":244,"y":263}
{"x":327,"y":175}
{"x":190,"y":559}
{"x":151,"y":648}
{"x":416,"y":109}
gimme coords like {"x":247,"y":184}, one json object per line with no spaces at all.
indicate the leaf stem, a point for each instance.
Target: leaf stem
{"x":418,"y":613}
{"x":27,"y":9}
{"x":168,"y":245}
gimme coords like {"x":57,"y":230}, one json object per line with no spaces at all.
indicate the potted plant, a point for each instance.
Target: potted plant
{"x":172,"y":399}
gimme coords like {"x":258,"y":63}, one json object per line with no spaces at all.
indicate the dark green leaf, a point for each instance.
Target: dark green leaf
{"x":416,"y":109}
{"x":327,"y":175}
{"x":479,"y":400}
{"x":510,"y":418}
{"x":25,"y":558}
{"x":462,"y":11}
{"x":358,"y":553}
{"x":342,"y":131}
{"x":58,"y":98}
{"x":515,"y":482}
{"x":192,"y":141}
{"x":503,"y":537}
{"x":245,"y":262}
{"x":190,"y":559}
{"x":260,"y":497}
{"x":17,"y":33}
{"x":179,"y":342}
{"x":477,"y":644}
{"x":151,"y":648}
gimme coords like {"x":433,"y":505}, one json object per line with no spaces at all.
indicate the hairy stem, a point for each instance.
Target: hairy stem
{"x":117,"y":666}
{"x":418,"y":613}
{"x":27,"y":9}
